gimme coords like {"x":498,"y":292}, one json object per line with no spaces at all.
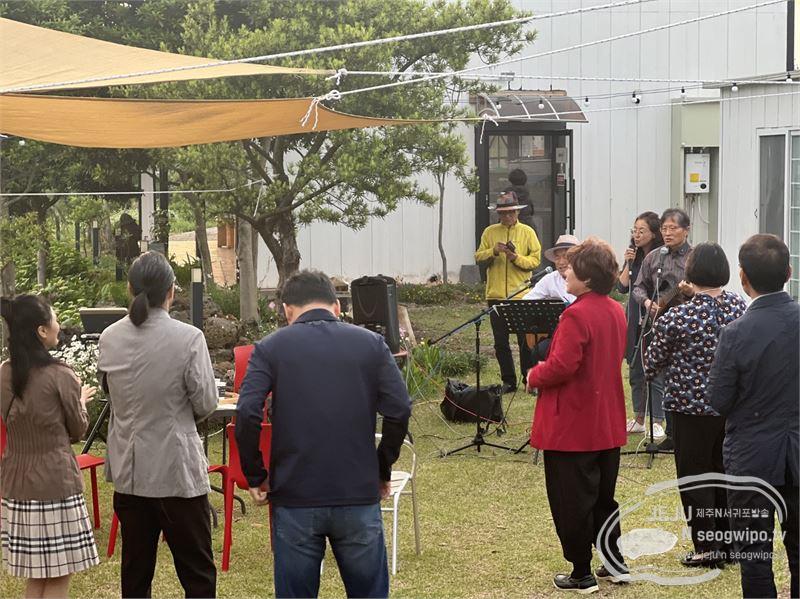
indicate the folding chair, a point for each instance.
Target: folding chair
{"x":399,"y":480}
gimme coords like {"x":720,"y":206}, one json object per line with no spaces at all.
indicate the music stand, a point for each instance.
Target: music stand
{"x":531,"y":316}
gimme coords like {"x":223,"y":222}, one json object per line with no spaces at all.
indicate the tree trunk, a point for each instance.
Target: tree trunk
{"x":440,"y":181}
{"x":248,"y":293}
{"x":106,"y":233}
{"x":41,"y":253}
{"x":201,"y":236}
{"x":8,"y":280}
{"x":279,"y":233}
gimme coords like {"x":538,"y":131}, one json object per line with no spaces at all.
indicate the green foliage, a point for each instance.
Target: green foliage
{"x":227,"y":298}
{"x":427,"y":295}
{"x":428,"y":365}
{"x":183,"y":271}
{"x":115,"y":292}
{"x":71,"y":281}
{"x":19,"y":238}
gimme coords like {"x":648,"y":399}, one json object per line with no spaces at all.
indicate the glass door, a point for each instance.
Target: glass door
{"x":537,"y":166}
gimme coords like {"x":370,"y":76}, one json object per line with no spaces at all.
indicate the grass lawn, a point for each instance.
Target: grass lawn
{"x":485,"y":520}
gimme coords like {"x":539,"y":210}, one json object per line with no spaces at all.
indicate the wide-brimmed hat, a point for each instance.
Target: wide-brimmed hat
{"x":506,"y":202}
{"x":562,"y":243}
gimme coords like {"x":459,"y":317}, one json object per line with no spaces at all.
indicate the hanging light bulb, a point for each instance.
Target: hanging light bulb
{"x":541,"y":104}
{"x":788,"y":77}
{"x":635,"y":99}
{"x":586,"y":100}
{"x":683,"y":92}
{"x":734,"y":87}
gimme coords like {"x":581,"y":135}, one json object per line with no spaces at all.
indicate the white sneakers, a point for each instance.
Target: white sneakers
{"x":635,"y":428}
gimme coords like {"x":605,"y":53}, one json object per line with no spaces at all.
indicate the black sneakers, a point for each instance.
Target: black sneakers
{"x":623,"y":577}
{"x":584,"y":586}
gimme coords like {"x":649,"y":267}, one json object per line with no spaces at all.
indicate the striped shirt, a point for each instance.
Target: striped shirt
{"x":673,"y":269}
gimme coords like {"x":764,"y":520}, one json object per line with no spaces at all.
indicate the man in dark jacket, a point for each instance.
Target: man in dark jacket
{"x":328,"y":380}
{"x":754,"y":384}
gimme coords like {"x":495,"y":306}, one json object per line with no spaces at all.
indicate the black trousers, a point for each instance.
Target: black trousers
{"x":698,"y":450}
{"x":186,"y":524}
{"x":580,"y":489}
{"x":755,"y":545}
{"x":502,"y":349}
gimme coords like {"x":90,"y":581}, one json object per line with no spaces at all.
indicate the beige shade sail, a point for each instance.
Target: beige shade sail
{"x":126,"y":123}
{"x":45,"y":59}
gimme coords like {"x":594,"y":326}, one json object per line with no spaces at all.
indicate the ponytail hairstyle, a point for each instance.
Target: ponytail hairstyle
{"x":150,"y":278}
{"x":24,"y":314}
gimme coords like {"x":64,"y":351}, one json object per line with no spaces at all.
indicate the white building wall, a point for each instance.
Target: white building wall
{"x":621,"y":157}
{"x":742,"y":123}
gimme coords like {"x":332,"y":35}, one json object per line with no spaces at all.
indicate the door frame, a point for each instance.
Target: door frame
{"x":482,"y":166}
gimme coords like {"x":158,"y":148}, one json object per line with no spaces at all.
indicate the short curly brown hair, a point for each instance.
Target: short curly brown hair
{"x":594,"y":261}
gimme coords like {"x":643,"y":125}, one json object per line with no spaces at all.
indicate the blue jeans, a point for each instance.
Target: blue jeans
{"x":355,"y":533}
{"x":639,"y":390}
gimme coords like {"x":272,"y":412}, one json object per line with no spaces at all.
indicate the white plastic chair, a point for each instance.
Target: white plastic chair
{"x":399,"y":480}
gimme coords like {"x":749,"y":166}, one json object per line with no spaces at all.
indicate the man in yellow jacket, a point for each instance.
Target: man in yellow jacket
{"x":510,"y":250}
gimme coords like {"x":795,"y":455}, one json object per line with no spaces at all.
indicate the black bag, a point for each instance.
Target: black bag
{"x":461,"y":402}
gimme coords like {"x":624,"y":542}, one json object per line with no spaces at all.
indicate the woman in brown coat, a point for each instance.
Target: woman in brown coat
{"x":45,"y":531}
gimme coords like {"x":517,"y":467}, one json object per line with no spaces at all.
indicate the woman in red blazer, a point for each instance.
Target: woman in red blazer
{"x":579,"y":420}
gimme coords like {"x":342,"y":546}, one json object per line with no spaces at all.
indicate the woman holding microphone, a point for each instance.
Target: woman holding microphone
{"x":645,"y":237}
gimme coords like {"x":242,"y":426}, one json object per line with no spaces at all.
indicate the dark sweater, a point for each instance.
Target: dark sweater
{"x":328,"y":380}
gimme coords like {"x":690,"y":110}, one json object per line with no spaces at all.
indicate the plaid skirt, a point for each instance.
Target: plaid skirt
{"x":46,"y":539}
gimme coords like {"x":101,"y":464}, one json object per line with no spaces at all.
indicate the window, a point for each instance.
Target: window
{"x":779,"y":195}
{"x":794,"y":218}
{"x":772,"y":185}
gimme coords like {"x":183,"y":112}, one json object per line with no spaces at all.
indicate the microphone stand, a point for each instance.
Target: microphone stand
{"x":651,"y":449}
{"x":479,"y":441}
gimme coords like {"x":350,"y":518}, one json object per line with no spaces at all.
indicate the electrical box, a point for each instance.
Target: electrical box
{"x":697,"y":173}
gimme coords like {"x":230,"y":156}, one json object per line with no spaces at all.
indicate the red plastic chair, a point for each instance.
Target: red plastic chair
{"x":236,"y":478}
{"x":91,"y":463}
{"x":241,"y":357}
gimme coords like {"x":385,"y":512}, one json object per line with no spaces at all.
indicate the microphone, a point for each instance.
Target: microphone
{"x":631,"y":245}
{"x":662,"y":252}
{"x":535,"y":277}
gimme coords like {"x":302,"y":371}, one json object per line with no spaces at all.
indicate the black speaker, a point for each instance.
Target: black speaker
{"x":375,"y":307}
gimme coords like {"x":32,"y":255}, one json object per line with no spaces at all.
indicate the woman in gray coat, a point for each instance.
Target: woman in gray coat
{"x":161,"y":383}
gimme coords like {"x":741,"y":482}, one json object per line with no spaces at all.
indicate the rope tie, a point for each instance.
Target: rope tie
{"x":339,"y":75}
{"x":487,"y":117}
{"x":332,"y":95}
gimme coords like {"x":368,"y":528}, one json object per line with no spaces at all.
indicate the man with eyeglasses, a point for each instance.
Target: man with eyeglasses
{"x":665,"y":270}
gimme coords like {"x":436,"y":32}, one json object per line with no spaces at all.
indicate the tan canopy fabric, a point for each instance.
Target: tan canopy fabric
{"x":34,"y":56}
{"x":123,"y":123}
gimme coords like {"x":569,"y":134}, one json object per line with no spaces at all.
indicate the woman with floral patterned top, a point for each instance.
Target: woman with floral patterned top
{"x":683,"y":348}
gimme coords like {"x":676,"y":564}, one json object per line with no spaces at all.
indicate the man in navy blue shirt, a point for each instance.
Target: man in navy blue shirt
{"x":328,"y":380}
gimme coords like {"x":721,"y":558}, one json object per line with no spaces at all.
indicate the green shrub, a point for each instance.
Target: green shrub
{"x":428,"y":365}
{"x":115,"y":292}
{"x":71,"y":282}
{"x":183,"y":272}
{"x":427,"y":295}
{"x":227,"y":298}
